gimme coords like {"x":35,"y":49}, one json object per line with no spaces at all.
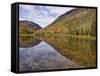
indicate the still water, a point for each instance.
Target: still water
{"x":56,"y":54}
{"x":43,"y":57}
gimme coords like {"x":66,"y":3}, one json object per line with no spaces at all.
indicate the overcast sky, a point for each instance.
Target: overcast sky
{"x":42,"y":15}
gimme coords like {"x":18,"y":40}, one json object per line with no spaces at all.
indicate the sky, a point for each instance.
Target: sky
{"x":42,"y":15}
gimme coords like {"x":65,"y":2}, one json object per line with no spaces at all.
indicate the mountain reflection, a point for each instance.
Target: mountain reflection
{"x":28,"y":42}
{"x":56,"y":53}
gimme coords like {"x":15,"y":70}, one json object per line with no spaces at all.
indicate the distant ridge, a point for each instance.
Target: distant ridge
{"x":30,"y":24}
{"x":28,"y":27}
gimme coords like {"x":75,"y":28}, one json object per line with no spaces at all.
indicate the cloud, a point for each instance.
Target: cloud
{"x":42,"y":15}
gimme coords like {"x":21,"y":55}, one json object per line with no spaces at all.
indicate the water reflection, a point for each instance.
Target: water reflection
{"x":43,"y":57}
{"x":28,"y":42}
{"x":56,"y":53}
{"x":81,"y":51}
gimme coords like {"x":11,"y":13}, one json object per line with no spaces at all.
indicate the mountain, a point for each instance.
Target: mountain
{"x":73,"y":35}
{"x":79,"y":21}
{"x":28,"y":27}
